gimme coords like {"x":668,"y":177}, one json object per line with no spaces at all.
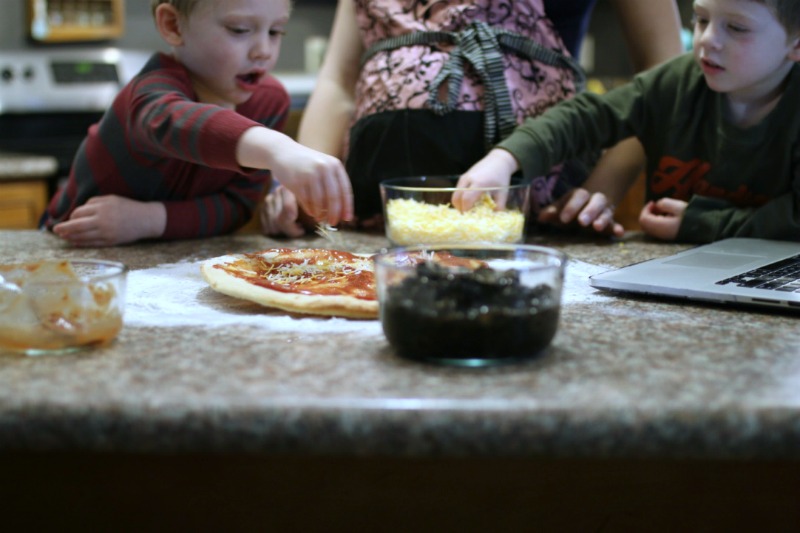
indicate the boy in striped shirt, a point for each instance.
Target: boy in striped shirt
{"x":187,"y":148}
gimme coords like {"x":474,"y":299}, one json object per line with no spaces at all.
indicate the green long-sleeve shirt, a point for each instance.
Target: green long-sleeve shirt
{"x":737,"y":181}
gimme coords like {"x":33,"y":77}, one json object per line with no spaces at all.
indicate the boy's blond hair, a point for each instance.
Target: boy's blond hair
{"x":183,"y":7}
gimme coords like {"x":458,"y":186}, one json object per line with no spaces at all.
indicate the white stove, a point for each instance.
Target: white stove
{"x":65,"y":80}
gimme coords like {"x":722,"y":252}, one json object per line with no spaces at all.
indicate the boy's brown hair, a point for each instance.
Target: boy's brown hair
{"x":184,"y":7}
{"x":787,"y":13}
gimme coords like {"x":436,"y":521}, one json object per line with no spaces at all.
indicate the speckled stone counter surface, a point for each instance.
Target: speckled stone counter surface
{"x":624,"y":377}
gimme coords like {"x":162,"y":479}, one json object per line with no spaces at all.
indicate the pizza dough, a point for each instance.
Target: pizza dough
{"x":309,"y":281}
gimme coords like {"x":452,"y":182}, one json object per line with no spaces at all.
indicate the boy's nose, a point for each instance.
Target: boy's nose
{"x":262,"y":48}
{"x":710,"y":36}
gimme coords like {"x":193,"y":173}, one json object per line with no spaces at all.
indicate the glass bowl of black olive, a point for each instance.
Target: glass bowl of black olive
{"x":470,"y":305}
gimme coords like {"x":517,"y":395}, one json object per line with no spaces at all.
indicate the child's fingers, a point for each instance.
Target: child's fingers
{"x":548,"y":214}
{"x":604,"y":223}
{"x":287,"y":222}
{"x":340,"y":197}
{"x":657,"y":225}
{"x":670,"y":206}
{"x":574,"y":206}
{"x":78,"y":232}
{"x":596,"y":207}
{"x":83,"y":211}
{"x":500,"y":199}
{"x":279,"y":214}
{"x":463,"y":200}
{"x":346,"y":190}
{"x":329,"y":196}
{"x":74,"y":226}
{"x":311,"y":198}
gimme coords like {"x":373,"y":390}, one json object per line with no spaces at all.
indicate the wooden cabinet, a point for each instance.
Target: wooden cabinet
{"x":22,"y":203}
{"x":55,"y":21}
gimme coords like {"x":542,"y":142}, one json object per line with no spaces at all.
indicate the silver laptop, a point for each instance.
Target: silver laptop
{"x":737,"y":271}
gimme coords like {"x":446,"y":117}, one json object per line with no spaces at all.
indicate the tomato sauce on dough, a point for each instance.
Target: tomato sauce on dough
{"x":315,"y":272}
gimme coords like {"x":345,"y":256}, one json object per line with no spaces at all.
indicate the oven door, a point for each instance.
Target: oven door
{"x":55,"y":134}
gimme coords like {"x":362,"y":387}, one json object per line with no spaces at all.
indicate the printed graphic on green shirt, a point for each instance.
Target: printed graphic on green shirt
{"x":683,"y":179}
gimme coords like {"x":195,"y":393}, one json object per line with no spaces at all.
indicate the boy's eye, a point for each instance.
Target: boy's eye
{"x":237,"y":30}
{"x":275,"y":32}
{"x":698,"y":20}
{"x":737,"y":29}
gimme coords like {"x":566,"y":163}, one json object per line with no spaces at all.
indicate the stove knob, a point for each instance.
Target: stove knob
{"x":29,"y":73}
{"x":7,"y":74}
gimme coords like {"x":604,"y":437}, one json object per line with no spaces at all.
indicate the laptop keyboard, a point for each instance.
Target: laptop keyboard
{"x":783,"y":275}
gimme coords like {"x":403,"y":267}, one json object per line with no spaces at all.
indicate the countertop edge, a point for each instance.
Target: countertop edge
{"x":728,"y":434}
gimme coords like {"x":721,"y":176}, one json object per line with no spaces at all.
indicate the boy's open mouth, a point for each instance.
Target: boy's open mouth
{"x":710,"y":64}
{"x":249,"y":78}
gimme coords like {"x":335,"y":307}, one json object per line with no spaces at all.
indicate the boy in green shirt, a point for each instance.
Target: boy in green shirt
{"x":720,"y":129}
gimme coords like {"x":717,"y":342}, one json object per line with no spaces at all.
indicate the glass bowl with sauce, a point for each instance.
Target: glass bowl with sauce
{"x":470,"y":305}
{"x":58,"y":306}
{"x":418,"y":210}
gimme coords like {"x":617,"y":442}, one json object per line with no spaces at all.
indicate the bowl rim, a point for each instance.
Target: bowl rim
{"x":117,"y":269}
{"x":397,"y":184}
{"x":561,"y":257}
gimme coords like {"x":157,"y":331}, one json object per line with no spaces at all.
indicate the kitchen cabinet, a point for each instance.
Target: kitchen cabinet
{"x":55,"y":21}
{"x":22,"y":203}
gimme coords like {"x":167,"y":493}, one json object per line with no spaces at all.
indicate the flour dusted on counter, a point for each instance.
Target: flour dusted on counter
{"x":176,"y":295}
{"x":576,"y":283}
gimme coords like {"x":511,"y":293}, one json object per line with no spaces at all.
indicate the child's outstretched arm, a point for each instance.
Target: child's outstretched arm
{"x":111,"y":220}
{"x":318,"y":181}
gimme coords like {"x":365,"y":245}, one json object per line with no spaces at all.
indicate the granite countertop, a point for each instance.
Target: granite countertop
{"x":195,"y":371}
{"x":26,"y":166}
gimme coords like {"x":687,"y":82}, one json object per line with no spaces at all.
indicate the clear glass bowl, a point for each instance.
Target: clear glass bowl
{"x":419,"y":211}
{"x":57,"y":306}
{"x":470,"y":305}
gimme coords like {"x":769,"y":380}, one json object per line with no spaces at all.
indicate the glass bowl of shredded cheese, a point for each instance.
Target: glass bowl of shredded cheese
{"x":419,"y":210}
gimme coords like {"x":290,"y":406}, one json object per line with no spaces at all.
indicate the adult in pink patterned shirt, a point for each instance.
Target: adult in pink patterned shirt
{"x":424,"y":88}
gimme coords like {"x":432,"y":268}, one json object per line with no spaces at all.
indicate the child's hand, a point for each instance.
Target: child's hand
{"x":662,"y":218}
{"x":494,"y":170}
{"x":587,"y":209}
{"x":317,"y":180}
{"x":280,"y":214}
{"x":111,"y":220}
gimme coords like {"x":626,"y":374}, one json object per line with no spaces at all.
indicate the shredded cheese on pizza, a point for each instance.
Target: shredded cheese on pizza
{"x":413,"y":222}
{"x":307,"y":271}
{"x":327,"y":268}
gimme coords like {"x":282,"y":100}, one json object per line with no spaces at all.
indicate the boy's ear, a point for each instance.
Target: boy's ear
{"x":168,"y":24}
{"x":794,"y":53}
